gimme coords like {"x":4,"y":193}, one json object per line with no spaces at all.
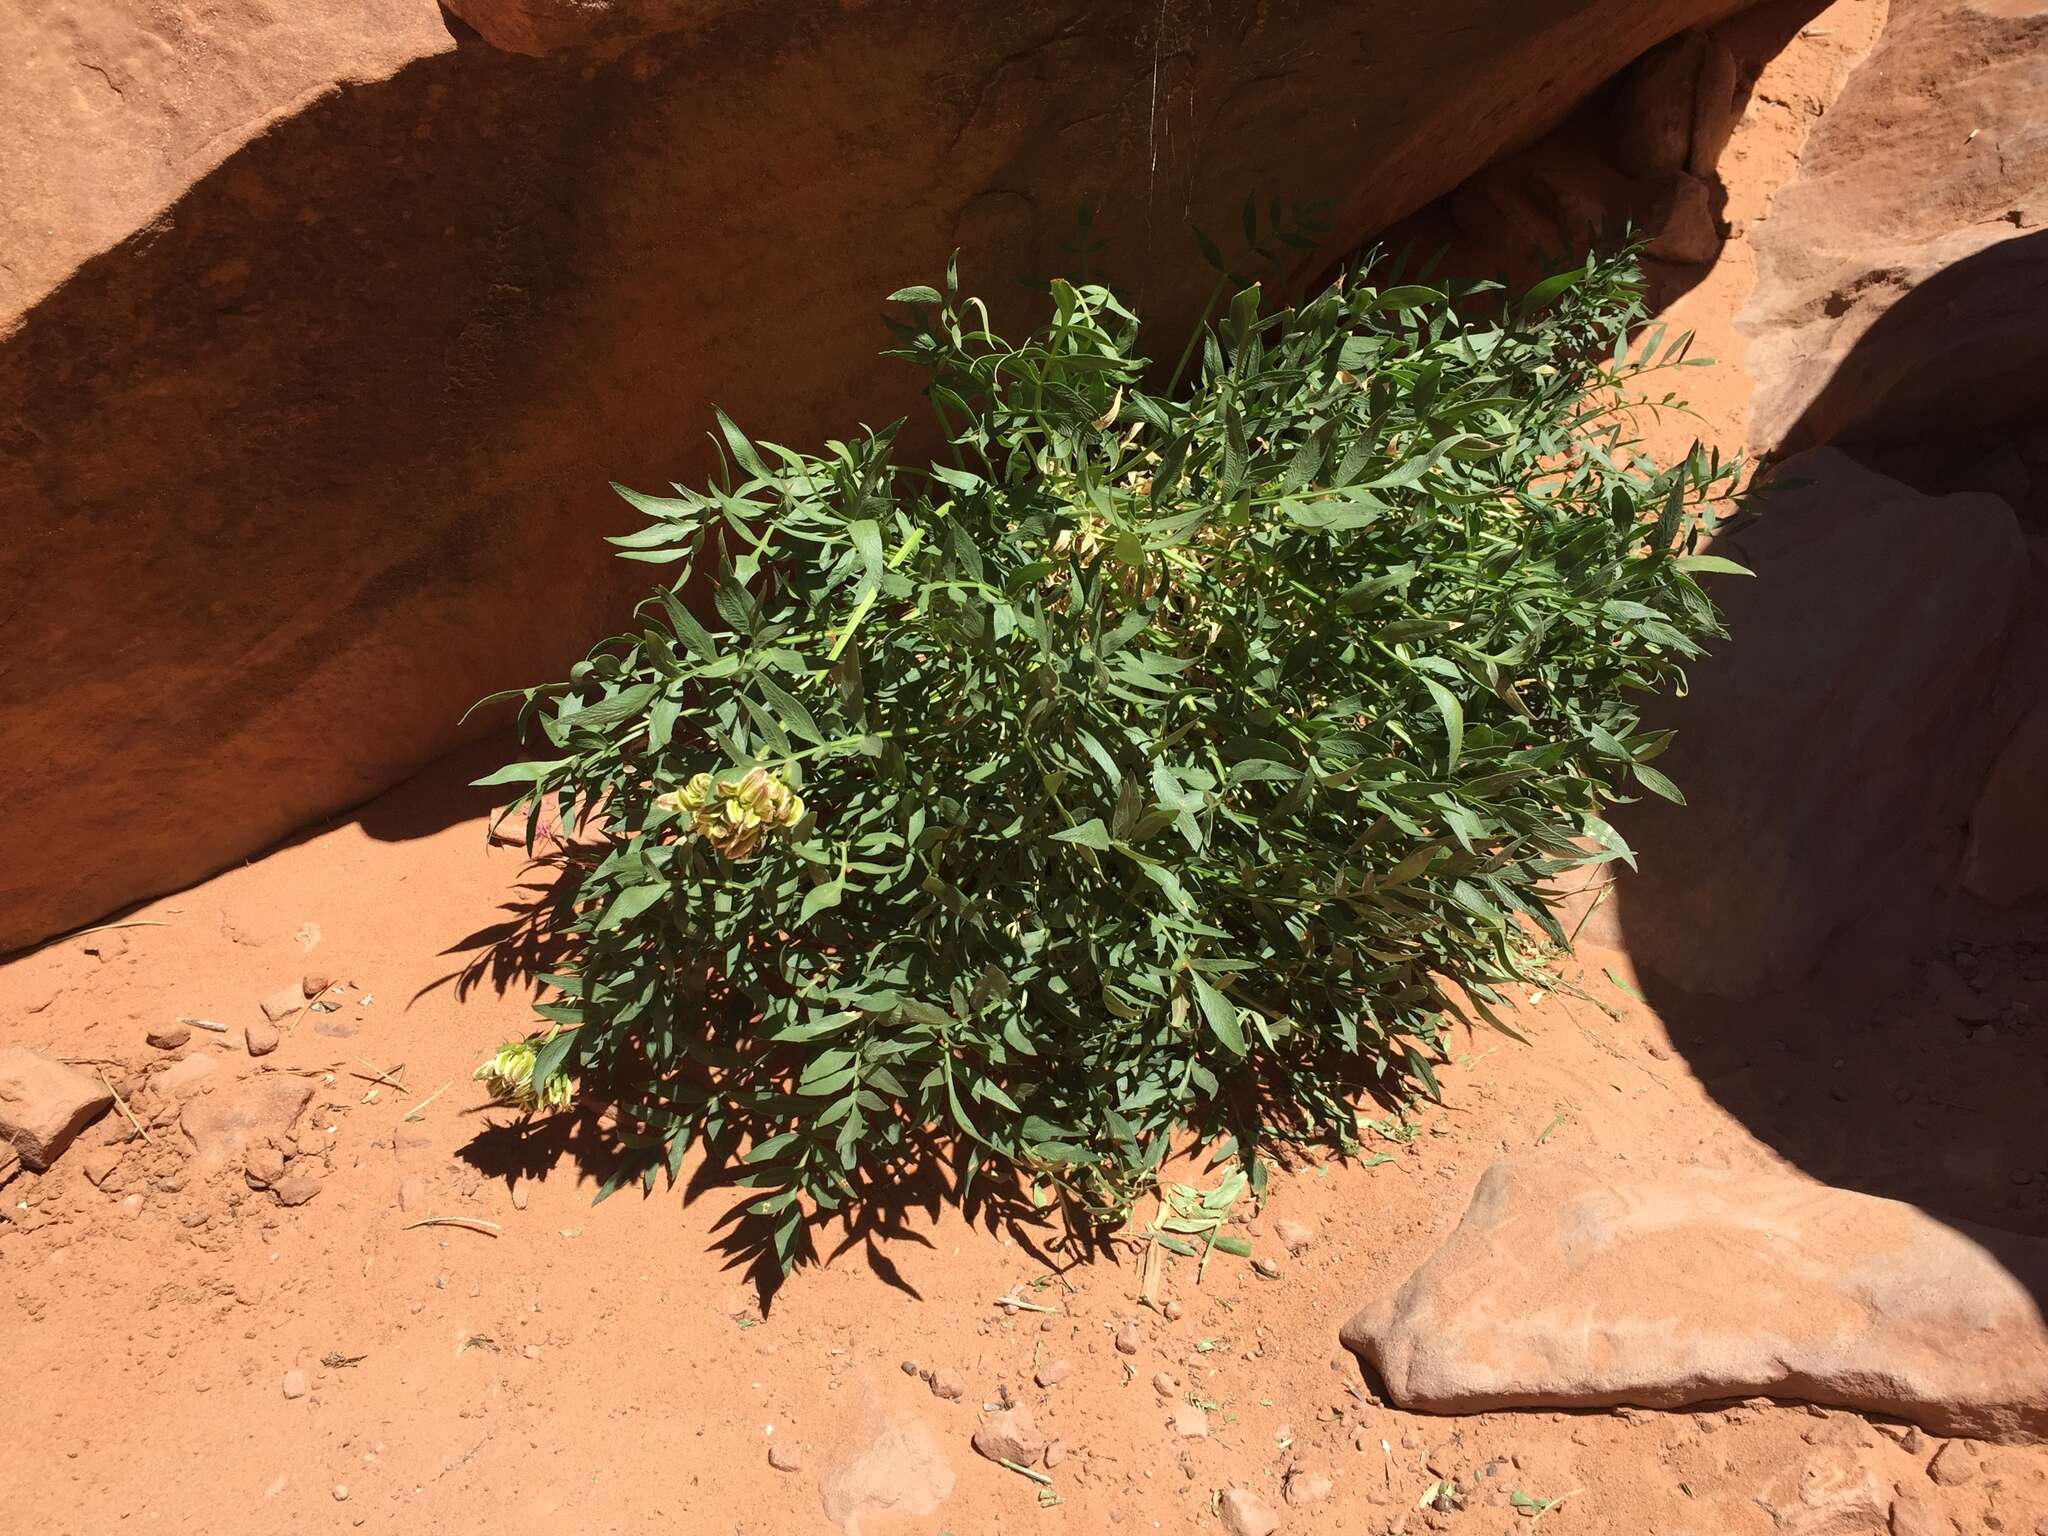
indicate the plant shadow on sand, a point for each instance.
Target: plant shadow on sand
{"x":603,"y":1141}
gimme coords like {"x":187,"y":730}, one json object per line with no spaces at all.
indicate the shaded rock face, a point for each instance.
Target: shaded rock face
{"x":1584,"y":1285}
{"x":1644,"y":154}
{"x":1932,"y":159}
{"x":320,"y":340}
{"x":2007,"y":858}
{"x":1829,"y":750}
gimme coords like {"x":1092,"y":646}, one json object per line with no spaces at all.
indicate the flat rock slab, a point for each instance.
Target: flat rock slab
{"x":900,"y":1471}
{"x":255,"y":1112}
{"x":1569,"y":1285}
{"x":45,"y":1103}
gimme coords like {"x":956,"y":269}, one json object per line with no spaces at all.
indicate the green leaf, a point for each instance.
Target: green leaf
{"x":917,"y":293}
{"x":1656,"y":782}
{"x":663,"y":507}
{"x":866,"y":534}
{"x":819,"y":898}
{"x":789,"y":710}
{"x":1089,"y":834}
{"x":1224,"y":1020}
{"x":1419,"y":1065}
{"x":1454,"y":721}
{"x":1615,"y":977}
{"x":1551,"y":288}
{"x":1236,"y":451}
{"x":551,"y":1058}
{"x":623,"y":705}
{"x":629,"y":904}
{"x":1711,"y":564}
{"x":742,"y":450}
{"x":521,"y":773}
{"x":688,"y":630}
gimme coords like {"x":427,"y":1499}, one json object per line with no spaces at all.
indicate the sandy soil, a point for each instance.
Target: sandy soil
{"x":614,"y":1368}
{"x":606,"y":1368}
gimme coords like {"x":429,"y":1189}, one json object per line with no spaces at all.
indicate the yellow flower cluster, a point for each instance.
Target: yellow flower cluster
{"x":509,"y":1075}
{"x":736,"y":817}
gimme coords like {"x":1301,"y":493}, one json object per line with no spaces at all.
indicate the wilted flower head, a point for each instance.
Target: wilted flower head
{"x":736,"y":816}
{"x":509,"y":1076}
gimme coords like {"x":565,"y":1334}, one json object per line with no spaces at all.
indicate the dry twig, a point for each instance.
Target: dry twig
{"x":1014,"y":1300}
{"x":389,"y":1076}
{"x":122,"y":1105}
{"x":316,"y":997}
{"x":420,"y":1108}
{"x":467,"y":1223}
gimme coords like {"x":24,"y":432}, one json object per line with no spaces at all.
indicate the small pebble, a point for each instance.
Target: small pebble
{"x":1267,"y":1267}
{"x":1246,"y":1514}
{"x":1129,"y":1337}
{"x":519,"y":1197}
{"x":168,"y":1037}
{"x":1303,"y":1489}
{"x":1954,"y":1464}
{"x":786,"y":1458}
{"x":294,"y":1384}
{"x":1051,"y":1373}
{"x":1173,"y":1310}
{"x":1055,"y":1453}
{"x":946,"y":1386}
{"x":1164,"y":1384}
{"x":1189,"y":1422}
{"x":341,"y":1493}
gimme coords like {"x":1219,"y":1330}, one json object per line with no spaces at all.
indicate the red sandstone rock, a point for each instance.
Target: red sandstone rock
{"x":284,"y":452}
{"x":44,"y":1104}
{"x":1570,"y":1285}
{"x":1929,"y":162}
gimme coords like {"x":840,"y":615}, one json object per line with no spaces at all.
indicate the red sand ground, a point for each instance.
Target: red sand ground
{"x":609,"y":1369}
{"x":600,"y":1369}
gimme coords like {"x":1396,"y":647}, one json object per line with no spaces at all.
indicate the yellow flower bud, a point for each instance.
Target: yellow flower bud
{"x":735,"y":817}
{"x":509,"y":1076}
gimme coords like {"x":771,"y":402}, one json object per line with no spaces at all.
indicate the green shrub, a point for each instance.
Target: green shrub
{"x":1170,"y":761}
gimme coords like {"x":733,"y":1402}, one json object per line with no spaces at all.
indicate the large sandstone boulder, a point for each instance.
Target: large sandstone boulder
{"x":1830,"y":748}
{"x":1932,"y":161}
{"x":322,"y":328}
{"x":1570,"y":1285}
